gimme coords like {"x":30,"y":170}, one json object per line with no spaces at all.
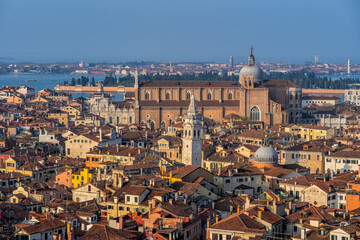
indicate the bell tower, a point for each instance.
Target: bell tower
{"x":192,"y":136}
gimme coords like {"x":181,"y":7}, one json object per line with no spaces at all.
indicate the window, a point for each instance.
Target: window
{"x":333,"y":237}
{"x":128,"y":198}
{"x":147,"y":96}
{"x":167,"y":95}
{"x":255,"y":114}
{"x":89,"y":188}
{"x":209,"y":95}
{"x":136,"y":199}
{"x":230,"y":95}
{"x":188,"y":96}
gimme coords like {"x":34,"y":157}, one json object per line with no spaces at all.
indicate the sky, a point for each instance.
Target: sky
{"x":290,"y":31}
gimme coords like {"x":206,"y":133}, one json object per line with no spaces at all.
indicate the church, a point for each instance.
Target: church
{"x":253,"y":97}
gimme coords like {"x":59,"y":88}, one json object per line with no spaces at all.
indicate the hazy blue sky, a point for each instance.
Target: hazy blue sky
{"x":187,"y":30}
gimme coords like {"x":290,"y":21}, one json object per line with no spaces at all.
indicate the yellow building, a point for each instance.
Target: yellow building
{"x":72,"y":112}
{"x":169,"y":147}
{"x":221,"y":158}
{"x":81,"y":178}
{"x":308,"y":132}
{"x":26,"y":167}
{"x":61,"y":116}
{"x":308,"y":154}
{"x":247,"y":150}
{"x":135,"y":199}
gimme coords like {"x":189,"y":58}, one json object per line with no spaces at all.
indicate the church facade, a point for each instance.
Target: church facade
{"x":271,"y":101}
{"x":114,"y":112}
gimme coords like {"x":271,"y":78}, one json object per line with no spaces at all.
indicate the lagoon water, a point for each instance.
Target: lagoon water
{"x":47,"y":81}
{"x":42,"y":80}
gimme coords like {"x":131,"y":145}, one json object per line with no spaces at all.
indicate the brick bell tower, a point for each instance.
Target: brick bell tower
{"x":192,"y":136}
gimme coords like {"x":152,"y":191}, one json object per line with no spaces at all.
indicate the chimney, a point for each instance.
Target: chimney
{"x":70,"y":233}
{"x":121,"y":182}
{"x":117,"y":147}
{"x":55,"y":236}
{"x":247,"y":202}
{"x":207,"y":222}
{"x":171,"y":201}
{"x":238,"y":210}
{"x":217,"y":218}
{"x":303,"y":233}
{"x":100,"y":135}
{"x":116,"y":200}
{"x":121,"y":223}
{"x":259,"y":215}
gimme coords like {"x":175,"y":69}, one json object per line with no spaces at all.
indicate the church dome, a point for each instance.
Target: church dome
{"x":252,"y":70}
{"x":266,"y":155}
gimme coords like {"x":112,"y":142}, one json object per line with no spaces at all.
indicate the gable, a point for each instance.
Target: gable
{"x":313,"y":188}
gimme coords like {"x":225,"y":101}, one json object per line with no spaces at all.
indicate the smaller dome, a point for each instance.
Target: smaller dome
{"x":266,"y":155}
{"x":252,"y":70}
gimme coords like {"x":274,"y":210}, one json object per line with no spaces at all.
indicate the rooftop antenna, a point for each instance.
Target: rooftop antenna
{"x":252,"y":48}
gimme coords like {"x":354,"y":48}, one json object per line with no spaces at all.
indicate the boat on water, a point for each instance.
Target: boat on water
{"x":30,"y":80}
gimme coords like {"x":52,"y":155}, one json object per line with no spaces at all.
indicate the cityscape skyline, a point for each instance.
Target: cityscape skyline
{"x":192,"y":32}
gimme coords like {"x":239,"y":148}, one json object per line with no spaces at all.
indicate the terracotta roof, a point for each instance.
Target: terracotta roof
{"x":239,"y":223}
{"x":277,"y":172}
{"x":182,"y":172}
{"x":177,"y":208}
{"x":303,"y":180}
{"x":104,"y":232}
{"x":43,"y":226}
{"x":346,"y":153}
{"x":279,"y":83}
{"x":312,"y":211}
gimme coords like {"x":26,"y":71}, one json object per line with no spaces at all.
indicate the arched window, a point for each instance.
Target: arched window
{"x":230,"y":96}
{"x":209,"y":95}
{"x":188,"y":96}
{"x":147,"y":96}
{"x":167,"y":95}
{"x":163,"y":124}
{"x":152,"y":125}
{"x":255,"y":114}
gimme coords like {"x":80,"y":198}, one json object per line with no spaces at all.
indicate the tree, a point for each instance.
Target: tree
{"x":92,"y":81}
